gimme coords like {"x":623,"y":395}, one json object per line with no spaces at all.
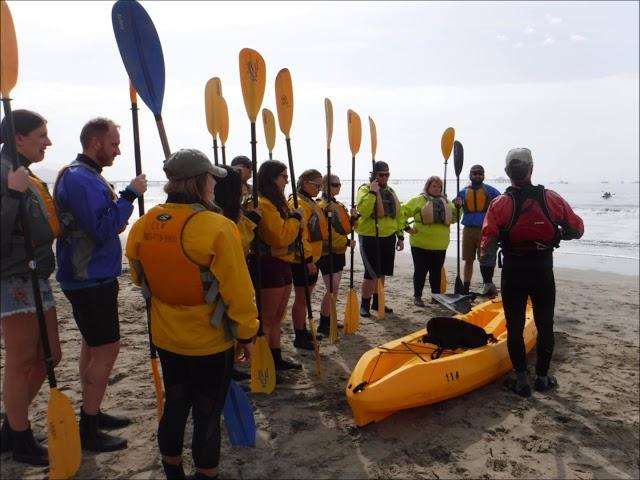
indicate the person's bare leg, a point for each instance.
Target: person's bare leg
{"x":100,"y":361}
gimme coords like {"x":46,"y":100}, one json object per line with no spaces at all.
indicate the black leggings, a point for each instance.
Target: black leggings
{"x":424,"y":261}
{"x":518,"y":282}
{"x":200,"y":383}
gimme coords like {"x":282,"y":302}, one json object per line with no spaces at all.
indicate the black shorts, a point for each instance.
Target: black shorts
{"x":274,"y":273}
{"x":369,"y":254}
{"x":298,"y":271}
{"x":95,"y":310}
{"x":339,"y":260}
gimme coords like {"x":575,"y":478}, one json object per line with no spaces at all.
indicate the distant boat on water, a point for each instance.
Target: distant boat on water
{"x":607,"y":195}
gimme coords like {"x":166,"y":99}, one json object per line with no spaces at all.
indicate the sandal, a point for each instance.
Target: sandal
{"x":512,"y":384}
{"x":544,"y":383}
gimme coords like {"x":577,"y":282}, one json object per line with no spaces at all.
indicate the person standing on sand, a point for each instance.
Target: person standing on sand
{"x":433,"y":215}
{"x":380,"y":196}
{"x":181,"y":252}
{"x":89,"y":264}
{"x":528,"y":222}
{"x":474,"y":200}
{"x":24,"y":368}
{"x":244,"y":167}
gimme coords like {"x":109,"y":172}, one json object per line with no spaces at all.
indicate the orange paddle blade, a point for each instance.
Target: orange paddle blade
{"x":132,"y":93}
{"x":380,"y":288}
{"x":355,"y":131}
{"x":263,"y":369}
{"x":374,"y":138}
{"x":253,"y":77}
{"x":65,"y":453}
{"x":284,"y":101}
{"x":8,"y":51}
{"x":351,"y":313}
{"x":446,"y":143}
{"x":269,"y":123}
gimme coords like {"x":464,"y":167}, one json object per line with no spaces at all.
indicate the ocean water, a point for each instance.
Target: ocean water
{"x":610,"y":242}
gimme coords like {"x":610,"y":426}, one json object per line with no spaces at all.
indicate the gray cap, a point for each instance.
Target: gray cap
{"x":519,"y":156}
{"x":189,"y":162}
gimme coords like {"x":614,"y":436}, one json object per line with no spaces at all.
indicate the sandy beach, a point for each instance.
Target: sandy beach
{"x":588,"y":428}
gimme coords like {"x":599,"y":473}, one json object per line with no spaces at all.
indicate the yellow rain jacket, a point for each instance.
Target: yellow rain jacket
{"x":315,"y":227}
{"x":212,"y":244}
{"x":429,"y":236}
{"x":391,"y":223}
{"x":340,"y":226}
{"x":279,"y":234}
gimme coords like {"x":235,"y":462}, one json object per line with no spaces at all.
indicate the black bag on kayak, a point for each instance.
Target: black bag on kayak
{"x":450,"y":333}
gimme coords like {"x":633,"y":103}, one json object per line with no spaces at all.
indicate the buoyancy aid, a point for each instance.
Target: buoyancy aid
{"x":476,"y":200}
{"x":436,"y":210}
{"x":317,"y":223}
{"x":338,"y":215}
{"x":531,"y":227}
{"x":390,"y":202}
{"x":47,"y":204}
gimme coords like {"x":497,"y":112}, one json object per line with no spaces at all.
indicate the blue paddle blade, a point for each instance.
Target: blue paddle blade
{"x":238,"y":417}
{"x":140,"y":50}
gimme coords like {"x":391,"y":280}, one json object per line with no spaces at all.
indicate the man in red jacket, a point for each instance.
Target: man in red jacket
{"x":528,"y":222}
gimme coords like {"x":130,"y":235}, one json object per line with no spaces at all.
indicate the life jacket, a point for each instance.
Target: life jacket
{"x":390,"y":202}
{"x":317,"y":224}
{"x":436,"y":210}
{"x":46,"y":203}
{"x":339,"y":217}
{"x":67,"y":223}
{"x":531,"y":228}
{"x":161,"y":255}
{"x":476,"y":200}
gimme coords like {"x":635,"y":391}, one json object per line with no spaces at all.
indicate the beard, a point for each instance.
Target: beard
{"x":103,"y":158}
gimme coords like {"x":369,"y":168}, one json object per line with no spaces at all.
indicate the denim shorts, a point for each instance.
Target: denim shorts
{"x":16,"y":295}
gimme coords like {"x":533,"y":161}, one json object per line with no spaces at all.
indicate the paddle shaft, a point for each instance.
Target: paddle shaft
{"x":256,"y":244}
{"x":163,"y":135}
{"x":330,"y":217}
{"x":11,"y":151}
{"x":215,"y":151}
{"x":224,"y":155}
{"x":136,"y":151}
{"x":444,"y":182}
{"x":458,"y":229}
{"x":353,"y":205}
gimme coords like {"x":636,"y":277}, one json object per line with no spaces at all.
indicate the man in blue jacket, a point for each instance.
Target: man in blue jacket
{"x":474,"y":200}
{"x":89,"y":257}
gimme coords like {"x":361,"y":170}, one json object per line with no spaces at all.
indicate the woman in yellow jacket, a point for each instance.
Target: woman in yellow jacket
{"x":314,"y":232}
{"x":190,"y":260}
{"x":277,"y":233}
{"x":433,"y":214}
{"x":341,"y":225}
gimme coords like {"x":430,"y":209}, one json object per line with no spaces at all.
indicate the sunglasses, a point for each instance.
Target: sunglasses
{"x":315,"y":184}
{"x":382,"y":174}
{"x":336,"y":184}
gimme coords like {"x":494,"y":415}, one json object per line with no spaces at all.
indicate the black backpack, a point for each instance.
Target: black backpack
{"x":450,"y":333}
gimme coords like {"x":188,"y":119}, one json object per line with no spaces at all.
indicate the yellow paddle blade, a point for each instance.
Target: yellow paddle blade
{"x":284,"y":101}
{"x":351,"y":313}
{"x":446,"y":144}
{"x":65,"y":453}
{"x":222,"y":119}
{"x":374,"y":138}
{"x":210,"y":94}
{"x":328,"y":116}
{"x":269,"y":122}
{"x":157,"y":382}
{"x":333,"y":320}
{"x":380,"y":288}
{"x":8,"y":51}
{"x":316,"y":348}
{"x":253,"y":77}
{"x":443,"y":280}
{"x":263,"y":369}
{"x":355,"y":131}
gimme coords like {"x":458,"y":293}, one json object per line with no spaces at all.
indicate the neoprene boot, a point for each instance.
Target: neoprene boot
{"x":466,"y":288}
{"x":201,"y":476}
{"x":93,"y":440}
{"x":365,"y":305}
{"x":6,"y":439}
{"x":174,"y":472}
{"x":281,"y":363}
{"x":374,"y":304}
{"x":323,"y":326}
{"x":108,"y":422}
{"x":27,"y":450}
{"x":302,"y":339}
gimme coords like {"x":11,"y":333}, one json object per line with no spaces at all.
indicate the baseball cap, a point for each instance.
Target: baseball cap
{"x":241,"y":161}
{"x":189,"y":162}
{"x":380,"y":166}
{"x":518,"y":163}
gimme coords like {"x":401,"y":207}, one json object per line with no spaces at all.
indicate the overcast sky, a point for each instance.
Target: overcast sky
{"x":558,"y":77}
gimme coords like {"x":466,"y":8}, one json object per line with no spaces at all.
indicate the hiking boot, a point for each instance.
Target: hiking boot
{"x":110,"y":422}
{"x":93,"y":440}
{"x":488,"y":290}
{"x":27,"y":450}
{"x":417,"y":301}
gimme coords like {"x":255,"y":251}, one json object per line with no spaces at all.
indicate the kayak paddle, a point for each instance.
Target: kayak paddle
{"x":269,"y":123}
{"x":333,"y":315}
{"x":284,"y":104}
{"x":141,"y":53}
{"x":379,"y":284}
{"x":446,"y":144}
{"x":238,"y":417}
{"x":212,"y":90}
{"x":252,"y":80}
{"x":458,"y":160}
{"x":222,"y":117}
{"x":62,"y":430}
{"x":352,"y":310}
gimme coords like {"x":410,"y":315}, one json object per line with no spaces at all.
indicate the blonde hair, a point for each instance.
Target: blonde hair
{"x":430,"y":180}
{"x":307,"y":176}
{"x":192,"y":188}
